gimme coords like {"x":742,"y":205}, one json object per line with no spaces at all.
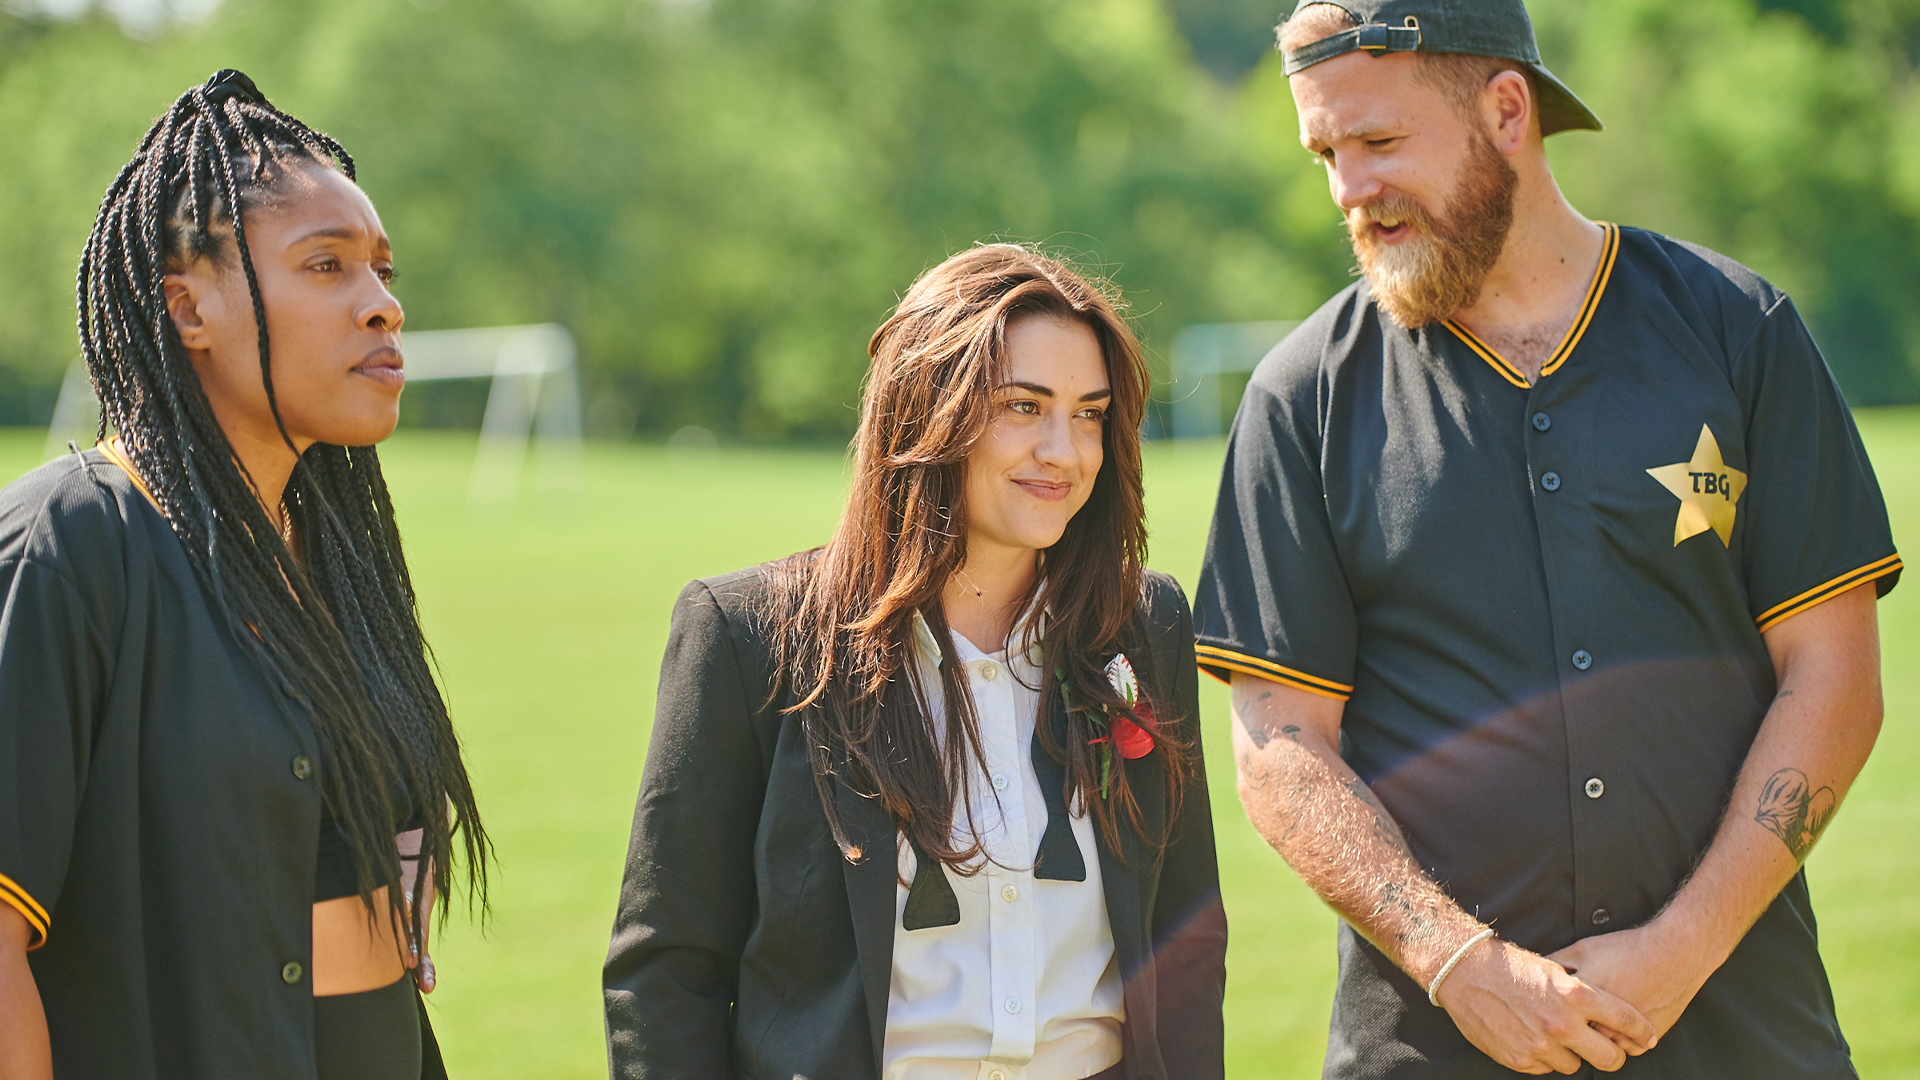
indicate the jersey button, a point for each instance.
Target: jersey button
{"x":1595,"y":788}
{"x":291,"y":971}
{"x":1582,"y":659}
{"x":1600,"y":917}
{"x":1550,"y":481}
{"x":1541,"y":421}
{"x":302,"y":767}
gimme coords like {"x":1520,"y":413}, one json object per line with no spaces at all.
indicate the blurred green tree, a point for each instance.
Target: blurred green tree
{"x":723,"y":197}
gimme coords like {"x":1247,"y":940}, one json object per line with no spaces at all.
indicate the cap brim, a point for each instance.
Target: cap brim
{"x":1559,"y":109}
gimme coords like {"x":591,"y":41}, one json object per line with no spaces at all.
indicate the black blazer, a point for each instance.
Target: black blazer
{"x":747,"y":946}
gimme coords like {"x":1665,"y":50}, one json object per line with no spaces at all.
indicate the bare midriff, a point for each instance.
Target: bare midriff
{"x":353,"y":953}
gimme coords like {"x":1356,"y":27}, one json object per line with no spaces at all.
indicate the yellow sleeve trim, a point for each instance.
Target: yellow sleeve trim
{"x":1610,"y":247}
{"x":17,"y":898}
{"x":1212,"y":656}
{"x":111,"y":448}
{"x":1820,"y":594}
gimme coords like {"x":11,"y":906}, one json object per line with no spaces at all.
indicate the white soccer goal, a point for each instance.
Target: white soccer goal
{"x":535,"y":394}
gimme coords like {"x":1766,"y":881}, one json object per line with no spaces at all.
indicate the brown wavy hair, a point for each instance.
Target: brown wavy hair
{"x":842,"y":624}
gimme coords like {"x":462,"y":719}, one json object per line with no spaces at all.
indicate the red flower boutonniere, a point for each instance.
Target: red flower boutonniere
{"x":1128,"y":738}
{"x":1131,"y":740}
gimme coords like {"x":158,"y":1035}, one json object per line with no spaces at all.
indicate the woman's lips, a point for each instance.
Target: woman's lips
{"x":384,"y":367}
{"x":1041,"y":489}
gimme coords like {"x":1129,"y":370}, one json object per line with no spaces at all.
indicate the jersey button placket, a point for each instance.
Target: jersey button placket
{"x":1551,"y":447}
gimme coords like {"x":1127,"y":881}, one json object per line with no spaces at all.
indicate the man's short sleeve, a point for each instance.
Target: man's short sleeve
{"x":1816,"y":524}
{"x":51,"y":669}
{"x":1273,"y":599}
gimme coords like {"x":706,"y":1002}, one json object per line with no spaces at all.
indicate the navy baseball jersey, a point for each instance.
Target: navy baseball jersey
{"x":159,"y":796}
{"x":1543,"y":606}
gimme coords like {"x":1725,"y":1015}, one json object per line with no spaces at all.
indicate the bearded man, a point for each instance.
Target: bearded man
{"x":1544,"y":571}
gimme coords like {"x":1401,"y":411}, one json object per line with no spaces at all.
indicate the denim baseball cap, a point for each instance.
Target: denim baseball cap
{"x":1498,"y":28}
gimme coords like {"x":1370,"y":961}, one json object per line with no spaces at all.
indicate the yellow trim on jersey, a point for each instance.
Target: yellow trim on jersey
{"x":17,"y":898}
{"x":1820,"y":594}
{"x":1212,"y":656}
{"x":1495,"y":360}
{"x":1610,"y":247}
{"x":111,"y":448}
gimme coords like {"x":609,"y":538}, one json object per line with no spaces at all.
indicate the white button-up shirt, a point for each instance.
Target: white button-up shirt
{"x":1025,"y":986}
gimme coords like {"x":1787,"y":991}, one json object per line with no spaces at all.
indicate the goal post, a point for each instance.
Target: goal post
{"x":535,"y":395}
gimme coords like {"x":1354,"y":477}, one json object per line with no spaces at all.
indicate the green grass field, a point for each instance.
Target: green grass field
{"x":548,"y":624}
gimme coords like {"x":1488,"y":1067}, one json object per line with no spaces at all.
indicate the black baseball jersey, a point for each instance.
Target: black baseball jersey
{"x":159,"y":798}
{"x":1543,"y":606}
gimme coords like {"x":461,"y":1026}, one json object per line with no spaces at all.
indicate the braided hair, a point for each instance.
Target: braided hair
{"x":339,"y":630}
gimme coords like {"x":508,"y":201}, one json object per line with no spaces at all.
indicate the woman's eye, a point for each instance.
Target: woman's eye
{"x":1027,"y":407}
{"x":1098,"y":416}
{"x":386,"y":273}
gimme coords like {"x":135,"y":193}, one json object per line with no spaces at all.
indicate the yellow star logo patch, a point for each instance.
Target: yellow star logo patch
{"x":1708,"y":491}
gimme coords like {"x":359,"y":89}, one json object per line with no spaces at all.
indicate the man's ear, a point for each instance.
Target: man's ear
{"x":1508,"y":107}
{"x":184,"y":293}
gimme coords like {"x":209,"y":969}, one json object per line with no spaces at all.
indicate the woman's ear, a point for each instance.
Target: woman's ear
{"x":184,"y":294}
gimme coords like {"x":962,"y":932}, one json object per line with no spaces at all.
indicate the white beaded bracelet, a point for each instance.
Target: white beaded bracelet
{"x":1433,"y":989}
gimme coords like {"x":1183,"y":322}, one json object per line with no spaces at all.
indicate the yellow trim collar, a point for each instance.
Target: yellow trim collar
{"x":111,"y":448}
{"x":1820,"y":594}
{"x":20,"y":900}
{"x":1610,"y":247}
{"x":1212,"y":656}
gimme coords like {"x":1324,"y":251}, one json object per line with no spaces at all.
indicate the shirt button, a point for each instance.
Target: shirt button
{"x":1013,"y":1005}
{"x":1009,"y":893}
{"x":989,"y":670}
{"x":1582,"y":659}
{"x":996,"y":1075}
{"x":1550,"y":481}
{"x":291,"y":971}
{"x":999,"y":781}
{"x":1541,"y":421}
{"x":1600,"y":917}
{"x":1595,"y":788}
{"x":302,"y":767}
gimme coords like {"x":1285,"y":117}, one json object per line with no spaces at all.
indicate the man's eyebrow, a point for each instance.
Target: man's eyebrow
{"x":1312,"y":135}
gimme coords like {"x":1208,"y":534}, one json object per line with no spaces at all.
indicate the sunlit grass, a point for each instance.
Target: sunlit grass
{"x":548,"y":624}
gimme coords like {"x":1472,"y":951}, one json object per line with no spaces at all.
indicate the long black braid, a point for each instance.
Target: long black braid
{"x":339,"y":632}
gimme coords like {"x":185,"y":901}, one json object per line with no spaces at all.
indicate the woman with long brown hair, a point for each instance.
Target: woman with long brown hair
{"x":928,"y":801}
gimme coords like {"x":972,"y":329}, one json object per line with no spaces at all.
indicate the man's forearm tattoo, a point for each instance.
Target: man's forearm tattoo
{"x":1422,"y":920}
{"x":1794,"y":810}
{"x":1259,"y":737}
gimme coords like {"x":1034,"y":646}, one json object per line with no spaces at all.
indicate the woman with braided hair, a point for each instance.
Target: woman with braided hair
{"x":229,"y":788}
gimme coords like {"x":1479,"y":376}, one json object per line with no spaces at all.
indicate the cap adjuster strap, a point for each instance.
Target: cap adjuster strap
{"x":1373,"y":38}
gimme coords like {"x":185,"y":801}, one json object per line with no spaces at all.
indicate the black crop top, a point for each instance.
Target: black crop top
{"x":333,"y":872}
